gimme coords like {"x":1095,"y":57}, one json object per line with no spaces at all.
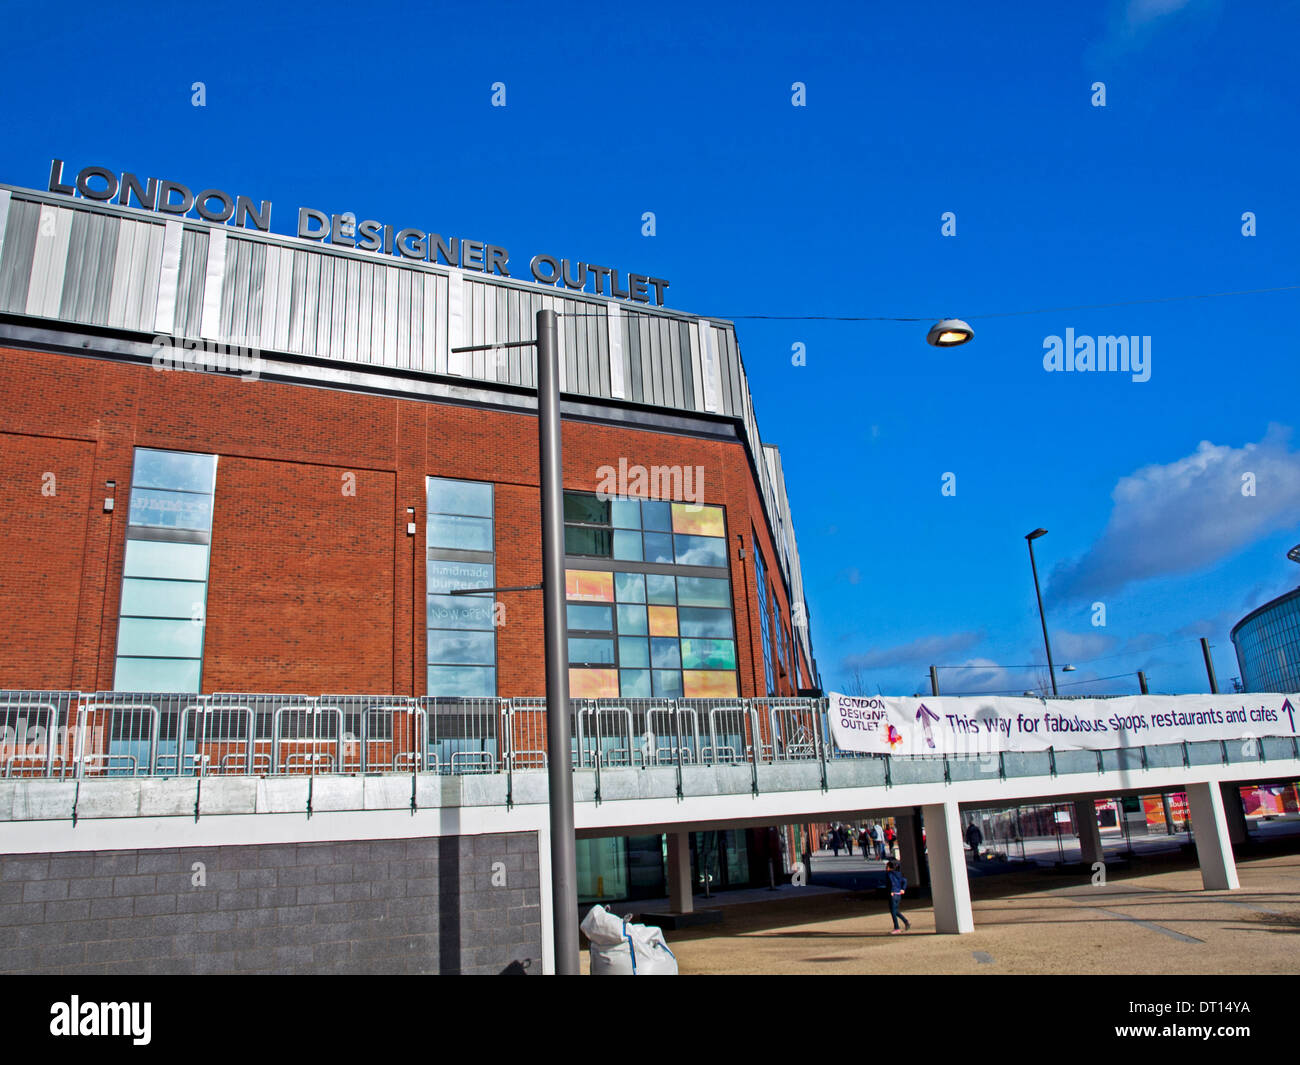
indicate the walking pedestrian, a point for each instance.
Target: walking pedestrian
{"x":974,"y":837}
{"x":864,"y":844}
{"x":897,"y":885}
{"x":878,"y":835}
{"x":890,"y":837}
{"x":836,"y":836}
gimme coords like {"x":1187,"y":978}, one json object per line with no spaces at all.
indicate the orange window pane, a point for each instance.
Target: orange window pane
{"x":593,"y":683}
{"x":663,"y":620}
{"x":708,"y":684}
{"x":698,"y":520}
{"x":588,"y":586}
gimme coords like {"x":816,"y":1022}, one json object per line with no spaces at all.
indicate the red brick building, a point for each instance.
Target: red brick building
{"x":234,"y":461}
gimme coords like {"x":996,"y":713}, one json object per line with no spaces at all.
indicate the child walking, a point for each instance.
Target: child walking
{"x":897,"y":885}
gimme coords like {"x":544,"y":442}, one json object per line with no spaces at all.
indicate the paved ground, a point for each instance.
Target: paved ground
{"x":1151,"y":917}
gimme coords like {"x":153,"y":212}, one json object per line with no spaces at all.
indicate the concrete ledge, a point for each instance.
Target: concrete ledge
{"x":40,"y":800}
{"x":330,"y":793}
{"x":228,"y":795}
{"x":282,"y":795}
{"x":386,"y":793}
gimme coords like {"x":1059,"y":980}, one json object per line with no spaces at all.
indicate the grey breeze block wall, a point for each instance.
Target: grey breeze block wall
{"x":432,"y":905}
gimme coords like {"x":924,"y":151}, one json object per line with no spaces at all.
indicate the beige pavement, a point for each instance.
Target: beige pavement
{"x":1155,"y":919}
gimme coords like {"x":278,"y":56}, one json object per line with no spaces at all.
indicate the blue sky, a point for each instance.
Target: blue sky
{"x":832,"y":209}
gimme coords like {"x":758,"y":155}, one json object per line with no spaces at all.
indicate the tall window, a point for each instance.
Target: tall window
{"x":460,"y":554}
{"x":657,"y":620}
{"x":165,"y":576}
{"x":764,"y":627}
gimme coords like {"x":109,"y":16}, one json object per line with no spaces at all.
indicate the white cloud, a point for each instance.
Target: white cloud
{"x":928,"y":650}
{"x":1187,"y":515}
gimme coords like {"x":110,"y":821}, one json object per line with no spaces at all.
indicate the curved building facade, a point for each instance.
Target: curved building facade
{"x":1268,"y":645}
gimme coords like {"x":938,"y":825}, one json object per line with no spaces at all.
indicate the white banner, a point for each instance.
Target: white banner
{"x":877,"y":724}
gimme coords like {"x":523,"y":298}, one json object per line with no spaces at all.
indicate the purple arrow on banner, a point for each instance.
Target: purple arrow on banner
{"x":925,"y":715}
{"x":1290,"y":712}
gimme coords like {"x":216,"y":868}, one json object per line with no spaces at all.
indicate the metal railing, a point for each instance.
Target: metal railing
{"x":79,"y":735}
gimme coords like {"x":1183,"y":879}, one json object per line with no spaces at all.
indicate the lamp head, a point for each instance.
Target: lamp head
{"x":949,"y":333}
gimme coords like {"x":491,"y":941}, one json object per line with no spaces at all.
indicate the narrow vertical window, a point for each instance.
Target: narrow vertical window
{"x":162,"y":621}
{"x":764,"y":627}
{"x":460,"y":554}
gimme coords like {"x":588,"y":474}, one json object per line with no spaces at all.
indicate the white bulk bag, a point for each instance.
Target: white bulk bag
{"x":622,"y":949}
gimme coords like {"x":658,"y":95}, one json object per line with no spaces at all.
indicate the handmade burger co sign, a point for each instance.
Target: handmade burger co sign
{"x":215,"y":205}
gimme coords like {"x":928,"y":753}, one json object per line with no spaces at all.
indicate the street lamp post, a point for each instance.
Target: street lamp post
{"x":1030,"y":538}
{"x":564,"y":864}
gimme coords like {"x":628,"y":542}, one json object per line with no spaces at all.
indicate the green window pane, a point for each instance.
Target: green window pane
{"x":578,"y":506}
{"x":704,"y":621}
{"x":157,"y":675}
{"x":163,"y":599}
{"x":462,"y":680}
{"x":660,"y":589}
{"x":664,"y":653}
{"x":178,"y":470}
{"x":589,"y":652}
{"x":597,"y":543}
{"x":627,"y":546}
{"x":594,"y":618}
{"x":703,"y":591}
{"x":158,"y":558}
{"x":459,"y":612}
{"x":443,"y":576}
{"x":459,"y":533}
{"x":629,"y":587}
{"x":658,"y":547}
{"x":634,"y":683}
{"x":632,"y":620}
{"x":708,"y":654}
{"x":154,"y":638}
{"x":633,"y":652}
{"x":625,"y":513}
{"x":460,"y":497}
{"x":667,"y":683}
{"x":657,"y":516}
{"x":700,"y":551}
{"x":159,"y":509}
{"x":462,"y":648}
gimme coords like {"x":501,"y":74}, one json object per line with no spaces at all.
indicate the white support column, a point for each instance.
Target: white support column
{"x":1234,"y":813}
{"x":545,"y":910}
{"x":1213,"y":847}
{"x":1085,"y":817}
{"x":909,"y":847}
{"x":949,"y":887}
{"x":680,"y":897}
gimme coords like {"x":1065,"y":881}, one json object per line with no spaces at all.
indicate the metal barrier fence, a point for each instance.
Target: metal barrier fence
{"x":68,"y":734}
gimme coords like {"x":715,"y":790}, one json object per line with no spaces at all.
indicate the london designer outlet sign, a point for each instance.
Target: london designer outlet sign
{"x":214,"y":205}
{"x":973,"y":725}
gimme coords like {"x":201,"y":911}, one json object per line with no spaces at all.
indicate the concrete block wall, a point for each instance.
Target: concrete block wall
{"x":455,"y":904}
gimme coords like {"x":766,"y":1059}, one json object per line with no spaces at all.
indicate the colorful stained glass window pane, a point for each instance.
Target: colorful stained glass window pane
{"x":633,"y":652}
{"x":656,"y":516}
{"x":589,"y":586}
{"x":698,"y":520}
{"x":709,"y":684}
{"x":595,"y":652}
{"x":626,"y":513}
{"x":708,"y":654}
{"x":663,"y":621}
{"x":593,"y":683}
